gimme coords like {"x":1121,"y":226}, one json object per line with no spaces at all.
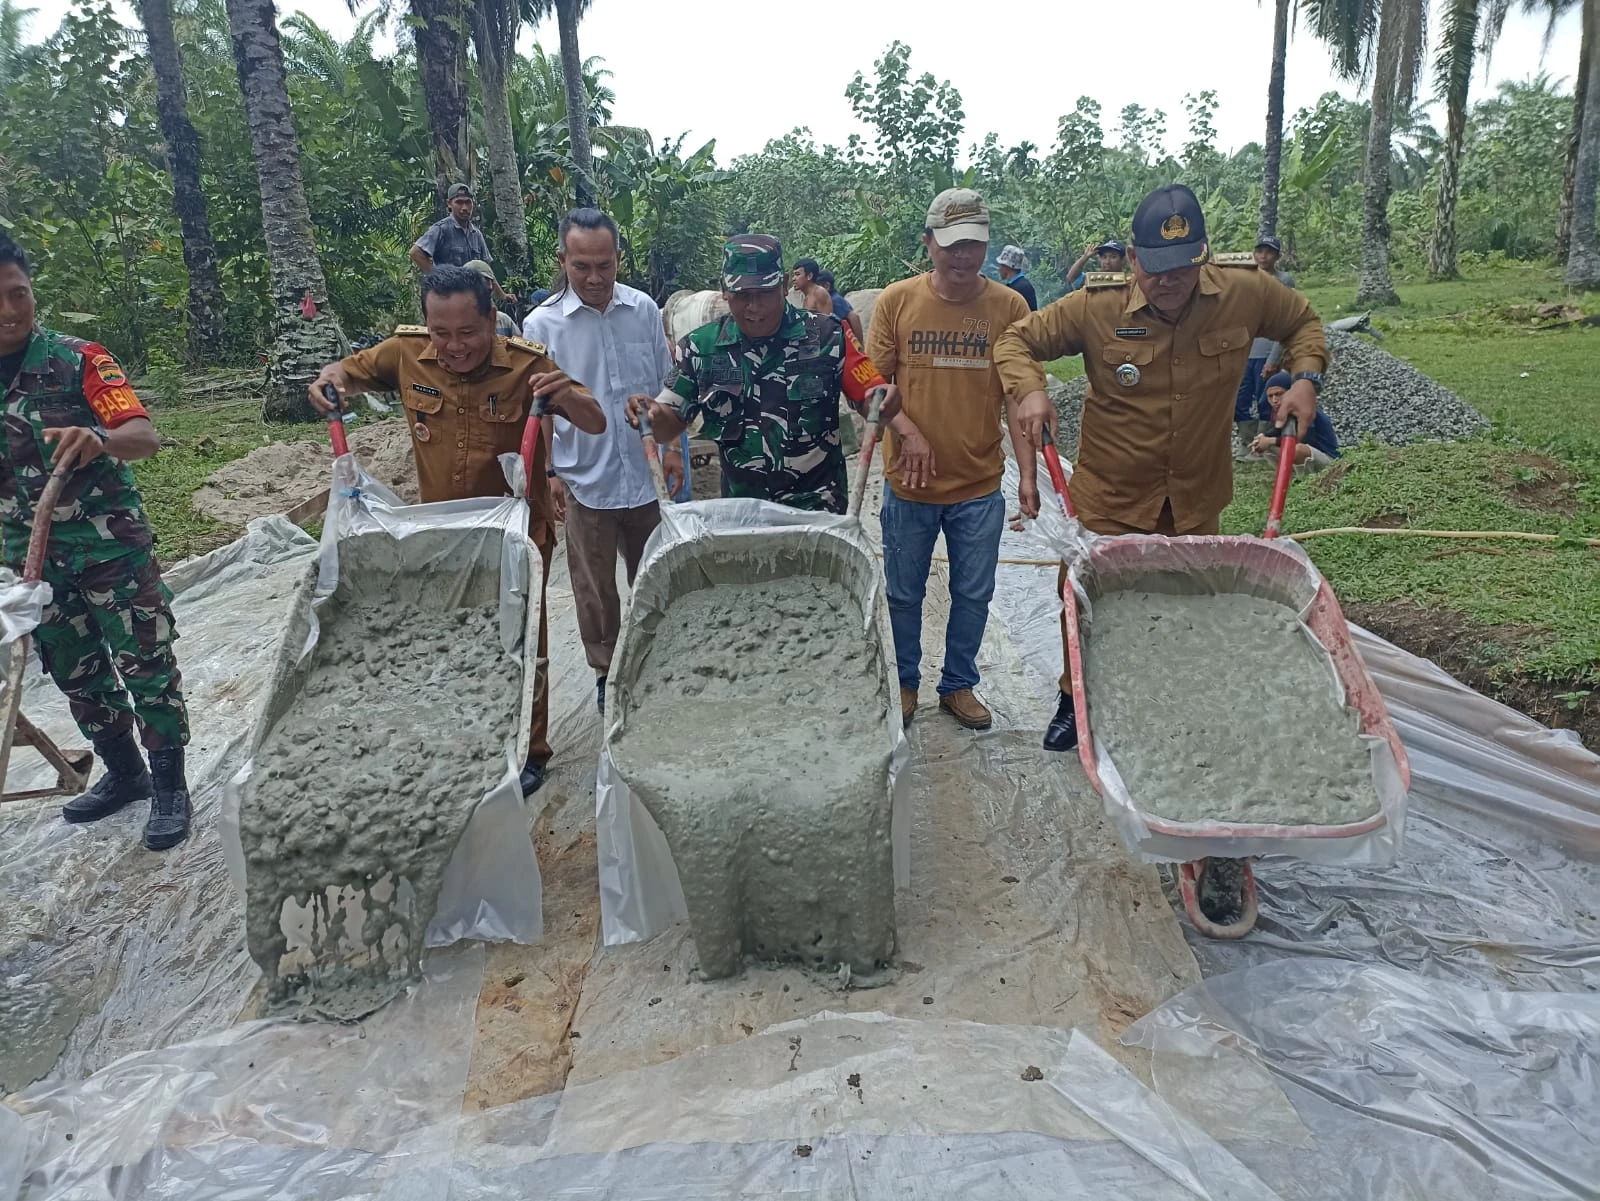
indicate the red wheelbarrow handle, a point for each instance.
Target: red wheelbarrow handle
{"x":341,"y":445}
{"x":530,"y":437}
{"x":1058,"y":478}
{"x":1280,"y":486}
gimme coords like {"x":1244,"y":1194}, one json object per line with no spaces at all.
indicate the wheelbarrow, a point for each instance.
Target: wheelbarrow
{"x":72,"y":767}
{"x":1201,"y":877}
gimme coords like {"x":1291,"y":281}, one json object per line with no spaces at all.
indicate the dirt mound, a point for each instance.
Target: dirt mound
{"x":282,"y":475}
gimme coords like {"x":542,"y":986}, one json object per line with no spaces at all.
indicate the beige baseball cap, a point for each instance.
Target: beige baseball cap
{"x":481,"y":267}
{"x":958,"y":215}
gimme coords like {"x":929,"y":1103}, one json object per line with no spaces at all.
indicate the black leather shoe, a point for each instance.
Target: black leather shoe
{"x":1062,"y":732}
{"x":126,"y":780}
{"x":532,"y":778}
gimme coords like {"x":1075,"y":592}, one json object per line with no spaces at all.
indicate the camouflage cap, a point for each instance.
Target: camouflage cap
{"x":751,"y":262}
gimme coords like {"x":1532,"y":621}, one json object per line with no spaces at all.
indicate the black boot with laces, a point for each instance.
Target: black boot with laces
{"x":125,"y":780}
{"x":168,"y":824}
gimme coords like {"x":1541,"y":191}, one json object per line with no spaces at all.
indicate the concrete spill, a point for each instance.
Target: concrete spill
{"x":360,"y":793}
{"x":1219,"y":708}
{"x":754,"y":732}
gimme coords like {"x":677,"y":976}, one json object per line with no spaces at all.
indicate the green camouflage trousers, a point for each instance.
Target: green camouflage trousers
{"x":108,"y":632}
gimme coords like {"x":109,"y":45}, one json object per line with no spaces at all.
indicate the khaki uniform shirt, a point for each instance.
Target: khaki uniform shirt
{"x":460,"y":424}
{"x":1158,"y":419}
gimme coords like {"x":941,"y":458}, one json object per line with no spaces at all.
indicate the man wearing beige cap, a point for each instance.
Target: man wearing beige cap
{"x":933,"y":335}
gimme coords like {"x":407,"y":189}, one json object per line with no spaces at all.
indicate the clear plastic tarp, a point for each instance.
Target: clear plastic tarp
{"x":1423,"y":1030}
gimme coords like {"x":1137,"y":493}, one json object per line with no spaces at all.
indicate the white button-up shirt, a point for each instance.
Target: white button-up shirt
{"x":618,"y":353}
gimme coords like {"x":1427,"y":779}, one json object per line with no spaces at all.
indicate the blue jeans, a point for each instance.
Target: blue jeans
{"x":972,"y":535}
{"x":1251,"y":402}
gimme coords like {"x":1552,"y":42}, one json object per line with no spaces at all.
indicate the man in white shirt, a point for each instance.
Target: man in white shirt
{"x":610,"y":337}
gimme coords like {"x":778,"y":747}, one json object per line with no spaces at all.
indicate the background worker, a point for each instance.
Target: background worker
{"x":933,"y":335}
{"x":1011,"y":266}
{"x":453,"y":240}
{"x":504,"y":325}
{"x":1250,"y":411}
{"x":467,"y":394}
{"x":1111,"y":256}
{"x":1317,"y":447}
{"x":611,"y":336}
{"x":1162,"y":351}
{"x":765,"y":380}
{"x":814,"y":298}
{"x":106,"y":636}
{"x":842,"y":308}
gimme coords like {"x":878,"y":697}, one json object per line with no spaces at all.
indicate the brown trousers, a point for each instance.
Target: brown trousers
{"x":594,"y":536}
{"x":1166,"y":526}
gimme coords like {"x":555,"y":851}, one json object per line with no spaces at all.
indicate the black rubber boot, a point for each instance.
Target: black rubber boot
{"x":126,"y":780}
{"x":1220,"y":890}
{"x":168,"y":824}
{"x":1062,"y":732}
{"x":532,"y":777}
{"x":600,"y":694}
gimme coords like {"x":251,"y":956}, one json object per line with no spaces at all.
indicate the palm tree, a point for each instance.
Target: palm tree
{"x":1469,"y":26}
{"x":305,"y":332}
{"x":1554,"y":10}
{"x":440,"y":31}
{"x":494,"y":35}
{"x":1583,"y":257}
{"x":1397,"y":66}
{"x":568,"y":13}
{"x":206,"y":302}
{"x":1274,"y":143}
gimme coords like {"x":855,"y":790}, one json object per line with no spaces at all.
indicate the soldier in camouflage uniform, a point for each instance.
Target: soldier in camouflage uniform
{"x":765,"y":381}
{"x":108,"y":631}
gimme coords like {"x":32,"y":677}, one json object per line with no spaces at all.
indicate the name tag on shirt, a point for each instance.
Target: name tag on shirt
{"x":425,"y":390}
{"x":1133,"y":332}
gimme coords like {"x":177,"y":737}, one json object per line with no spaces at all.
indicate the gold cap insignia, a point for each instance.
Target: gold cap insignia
{"x":1175,"y":227}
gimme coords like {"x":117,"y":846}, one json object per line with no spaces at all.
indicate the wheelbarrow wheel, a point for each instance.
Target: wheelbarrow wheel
{"x":1219,"y":895}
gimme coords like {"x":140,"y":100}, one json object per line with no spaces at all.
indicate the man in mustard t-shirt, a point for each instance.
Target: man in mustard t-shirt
{"x":933,"y":335}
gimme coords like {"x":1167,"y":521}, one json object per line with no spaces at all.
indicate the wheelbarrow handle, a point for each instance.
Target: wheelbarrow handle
{"x":1058,"y":477}
{"x":1280,"y":485}
{"x":341,"y":444}
{"x":869,"y":447}
{"x":531,"y":431}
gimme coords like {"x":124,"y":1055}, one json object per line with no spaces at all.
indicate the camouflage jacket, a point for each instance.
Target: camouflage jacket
{"x":772,"y":406}
{"x":66,"y":381}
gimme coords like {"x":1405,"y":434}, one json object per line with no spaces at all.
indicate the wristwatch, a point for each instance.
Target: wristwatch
{"x":550,"y":474}
{"x":1314,"y":376}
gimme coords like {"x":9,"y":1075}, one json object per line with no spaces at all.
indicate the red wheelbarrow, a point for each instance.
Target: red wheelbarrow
{"x":72,"y":767}
{"x":1119,"y":562}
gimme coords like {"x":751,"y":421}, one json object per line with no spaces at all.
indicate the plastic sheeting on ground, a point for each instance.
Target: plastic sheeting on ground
{"x":1436,"y":1035}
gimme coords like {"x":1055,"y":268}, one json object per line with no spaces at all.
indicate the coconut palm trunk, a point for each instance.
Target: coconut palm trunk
{"x":1583,"y":259}
{"x":567,"y":14}
{"x":441,"y":38}
{"x":207,"y":306}
{"x":1274,"y":143}
{"x":494,"y":34}
{"x":1586,"y":56}
{"x":1456,"y":56}
{"x":301,"y":344}
{"x":1376,"y":285}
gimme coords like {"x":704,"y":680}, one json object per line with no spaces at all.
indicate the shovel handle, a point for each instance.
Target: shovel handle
{"x":869,"y":446}
{"x":1058,"y":477}
{"x":1280,"y":485}
{"x":652,"y":456}
{"x":341,"y":445}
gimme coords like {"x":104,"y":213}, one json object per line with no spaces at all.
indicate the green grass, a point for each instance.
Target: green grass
{"x":198,"y":439}
{"x":1479,"y":337}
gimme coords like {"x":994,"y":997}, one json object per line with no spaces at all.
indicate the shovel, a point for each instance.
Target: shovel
{"x":868,"y":446}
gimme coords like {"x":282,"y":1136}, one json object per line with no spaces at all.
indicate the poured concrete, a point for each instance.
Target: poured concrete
{"x":1220,"y":708}
{"x":755,"y":735}
{"x":361,"y":790}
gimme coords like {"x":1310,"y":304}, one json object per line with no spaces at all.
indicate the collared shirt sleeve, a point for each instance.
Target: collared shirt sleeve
{"x":429,"y":241}
{"x":107,"y":390}
{"x":684,"y":380}
{"x":859,"y":376}
{"x":881,"y":334}
{"x":1287,"y":317}
{"x":1055,"y":330}
{"x":377,"y":368}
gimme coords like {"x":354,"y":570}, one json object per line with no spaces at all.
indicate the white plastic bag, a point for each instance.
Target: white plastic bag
{"x":640,"y":893}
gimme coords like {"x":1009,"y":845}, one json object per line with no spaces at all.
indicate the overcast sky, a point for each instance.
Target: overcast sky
{"x":744,"y":71}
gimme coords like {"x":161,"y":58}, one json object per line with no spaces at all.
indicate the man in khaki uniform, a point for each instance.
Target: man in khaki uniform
{"x":1163,"y":349}
{"x":467,"y":394}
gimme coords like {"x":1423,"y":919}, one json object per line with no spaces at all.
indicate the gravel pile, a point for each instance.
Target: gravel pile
{"x":1367,"y":392}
